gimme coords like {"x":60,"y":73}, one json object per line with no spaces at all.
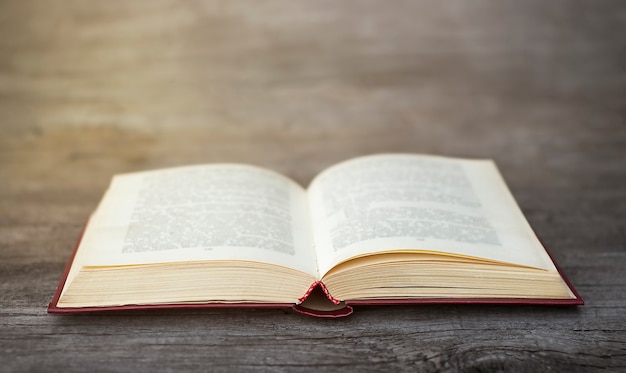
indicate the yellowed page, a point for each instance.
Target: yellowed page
{"x":422,"y":203}
{"x":211,"y":212}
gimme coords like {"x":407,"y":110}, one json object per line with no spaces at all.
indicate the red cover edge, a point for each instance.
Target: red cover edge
{"x":346,"y":311}
{"x":301,"y":307}
{"x":578,"y":301}
{"x":52,"y":307}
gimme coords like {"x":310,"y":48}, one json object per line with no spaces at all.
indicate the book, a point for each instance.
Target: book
{"x":378,"y":229}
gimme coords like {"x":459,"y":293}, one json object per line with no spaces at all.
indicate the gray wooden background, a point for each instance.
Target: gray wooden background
{"x":90,"y":89}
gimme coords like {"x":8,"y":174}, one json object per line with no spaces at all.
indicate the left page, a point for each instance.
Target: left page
{"x":197,"y":213}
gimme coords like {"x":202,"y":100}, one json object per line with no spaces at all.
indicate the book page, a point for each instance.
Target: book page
{"x":390,"y":202}
{"x":214,"y":212}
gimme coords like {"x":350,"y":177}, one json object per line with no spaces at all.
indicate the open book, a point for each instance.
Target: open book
{"x":380,"y":229}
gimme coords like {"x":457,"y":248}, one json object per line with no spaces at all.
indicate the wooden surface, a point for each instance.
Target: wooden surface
{"x":90,"y":89}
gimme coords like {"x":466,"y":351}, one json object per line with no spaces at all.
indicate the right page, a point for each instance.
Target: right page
{"x":418,"y":203}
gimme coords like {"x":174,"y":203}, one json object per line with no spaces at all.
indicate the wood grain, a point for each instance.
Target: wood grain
{"x":91,"y":89}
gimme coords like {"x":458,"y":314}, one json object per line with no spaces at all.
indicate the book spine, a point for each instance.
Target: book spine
{"x":324,"y":289}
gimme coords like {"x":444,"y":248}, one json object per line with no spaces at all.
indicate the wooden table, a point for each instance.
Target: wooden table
{"x":90,"y":89}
